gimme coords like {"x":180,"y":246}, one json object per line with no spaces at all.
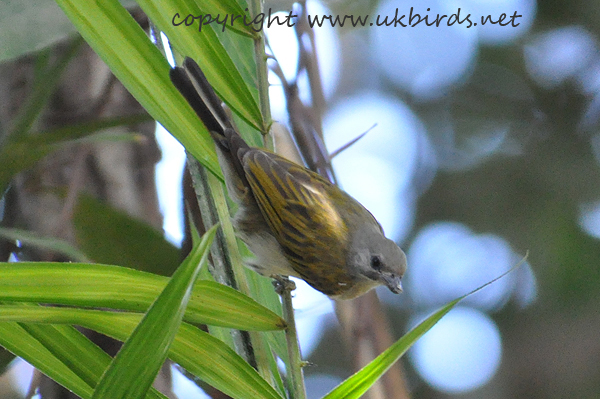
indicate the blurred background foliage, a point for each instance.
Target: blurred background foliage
{"x":486,"y":145}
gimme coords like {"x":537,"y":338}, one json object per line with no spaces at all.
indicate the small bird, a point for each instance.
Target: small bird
{"x":294,"y":221}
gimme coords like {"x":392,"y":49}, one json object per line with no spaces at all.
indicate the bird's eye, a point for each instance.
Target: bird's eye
{"x":376,"y":262}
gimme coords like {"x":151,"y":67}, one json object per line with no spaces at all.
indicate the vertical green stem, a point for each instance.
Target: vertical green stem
{"x":295,"y":377}
{"x":249,"y":338}
{"x":228,"y":262}
{"x":294,"y":366}
{"x":223,"y":270}
{"x":255,"y":7}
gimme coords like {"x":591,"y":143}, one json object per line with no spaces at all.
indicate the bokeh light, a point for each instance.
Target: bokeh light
{"x":589,"y":83}
{"x":184,"y":388}
{"x":495,"y":34}
{"x":589,"y":218}
{"x":378,"y":169}
{"x":554,"y":56}
{"x":460,"y":353}
{"x":284,"y":47}
{"x":424,"y":61}
{"x":448,"y":260}
{"x":168,"y":175}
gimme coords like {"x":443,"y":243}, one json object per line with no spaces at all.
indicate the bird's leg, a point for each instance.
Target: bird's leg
{"x":283,"y":284}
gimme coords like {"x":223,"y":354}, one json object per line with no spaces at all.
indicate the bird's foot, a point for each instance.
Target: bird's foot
{"x":283,"y":284}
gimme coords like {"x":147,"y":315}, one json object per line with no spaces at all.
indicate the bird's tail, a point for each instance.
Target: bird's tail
{"x":193,"y":85}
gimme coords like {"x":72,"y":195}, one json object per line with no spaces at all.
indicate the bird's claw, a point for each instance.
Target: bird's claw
{"x":283,"y":284}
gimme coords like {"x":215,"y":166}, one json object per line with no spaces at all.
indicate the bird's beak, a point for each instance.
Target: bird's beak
{"x":393,"y":282}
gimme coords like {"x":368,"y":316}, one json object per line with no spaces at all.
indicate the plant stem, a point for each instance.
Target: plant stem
{"x":295,"y":377}
{"x":255,"y":7}
{"x":223,"y":270}
{"x":254,"y":343}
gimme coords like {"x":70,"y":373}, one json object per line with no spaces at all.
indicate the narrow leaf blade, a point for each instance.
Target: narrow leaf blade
{"x":198,"y":352}
{"x":47,"y":243}
{"x":206,"y":48}
{"x":17,"y":340}
{"x":113,"y":287}
{"x":131,"y":373}
{"x":360,"y":382}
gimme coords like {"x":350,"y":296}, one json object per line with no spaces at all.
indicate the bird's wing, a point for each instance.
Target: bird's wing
{"x":297,"y":207}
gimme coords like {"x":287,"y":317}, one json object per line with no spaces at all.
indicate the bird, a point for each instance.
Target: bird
{"x":294,"y":221}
